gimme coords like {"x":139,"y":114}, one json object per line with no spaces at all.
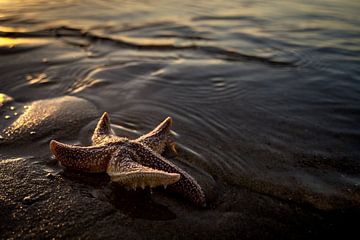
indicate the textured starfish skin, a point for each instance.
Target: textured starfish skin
{"x":131,"y":163}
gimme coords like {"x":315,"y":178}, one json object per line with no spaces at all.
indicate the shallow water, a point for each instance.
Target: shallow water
{"x":265,"y":95}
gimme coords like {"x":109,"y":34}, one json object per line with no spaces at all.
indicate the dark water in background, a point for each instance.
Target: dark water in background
{"x":264,"y":94}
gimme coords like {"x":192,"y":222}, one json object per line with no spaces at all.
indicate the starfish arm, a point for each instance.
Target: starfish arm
{"x":125,"y":171}
{"x":88,"y":159}
{"x":102,"y":130}
{"x":186,"y":186}
{"x":159,"y":138}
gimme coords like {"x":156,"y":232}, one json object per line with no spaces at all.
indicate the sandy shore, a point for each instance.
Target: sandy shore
{"x":36,"y":202}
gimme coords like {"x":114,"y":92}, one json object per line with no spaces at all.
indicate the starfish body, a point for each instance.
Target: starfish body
{"x":131,"y":163}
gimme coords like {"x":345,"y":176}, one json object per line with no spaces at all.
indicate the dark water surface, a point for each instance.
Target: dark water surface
{"x":265,"y":95}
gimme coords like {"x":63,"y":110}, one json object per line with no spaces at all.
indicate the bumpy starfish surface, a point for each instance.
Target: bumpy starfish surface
{"x":131,"y":163}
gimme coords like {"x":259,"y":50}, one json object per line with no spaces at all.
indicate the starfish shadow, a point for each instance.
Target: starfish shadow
{"x":135,"y":204}
{"x":97,"y":180}
{"x":138,"y":204}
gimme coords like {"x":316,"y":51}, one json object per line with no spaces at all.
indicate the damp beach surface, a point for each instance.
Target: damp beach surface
{"x":264,"y":97}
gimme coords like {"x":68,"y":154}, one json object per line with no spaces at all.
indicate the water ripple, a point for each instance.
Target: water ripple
{"x":217,"y":52}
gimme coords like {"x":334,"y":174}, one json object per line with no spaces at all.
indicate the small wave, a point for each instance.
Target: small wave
{"x":228,"y":18}
{"x":216,"y":52}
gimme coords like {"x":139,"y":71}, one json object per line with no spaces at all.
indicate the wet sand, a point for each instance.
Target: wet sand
{"x":40,"y":199}
{"x":38,"y":204}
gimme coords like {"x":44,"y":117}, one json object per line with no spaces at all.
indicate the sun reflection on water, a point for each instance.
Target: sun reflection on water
{"x":12,"y":42}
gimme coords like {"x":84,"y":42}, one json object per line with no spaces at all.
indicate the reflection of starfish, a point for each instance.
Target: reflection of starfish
{"x":131,"y":163}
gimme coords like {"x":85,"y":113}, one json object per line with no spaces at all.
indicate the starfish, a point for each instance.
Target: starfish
{"x":131,"y":163}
